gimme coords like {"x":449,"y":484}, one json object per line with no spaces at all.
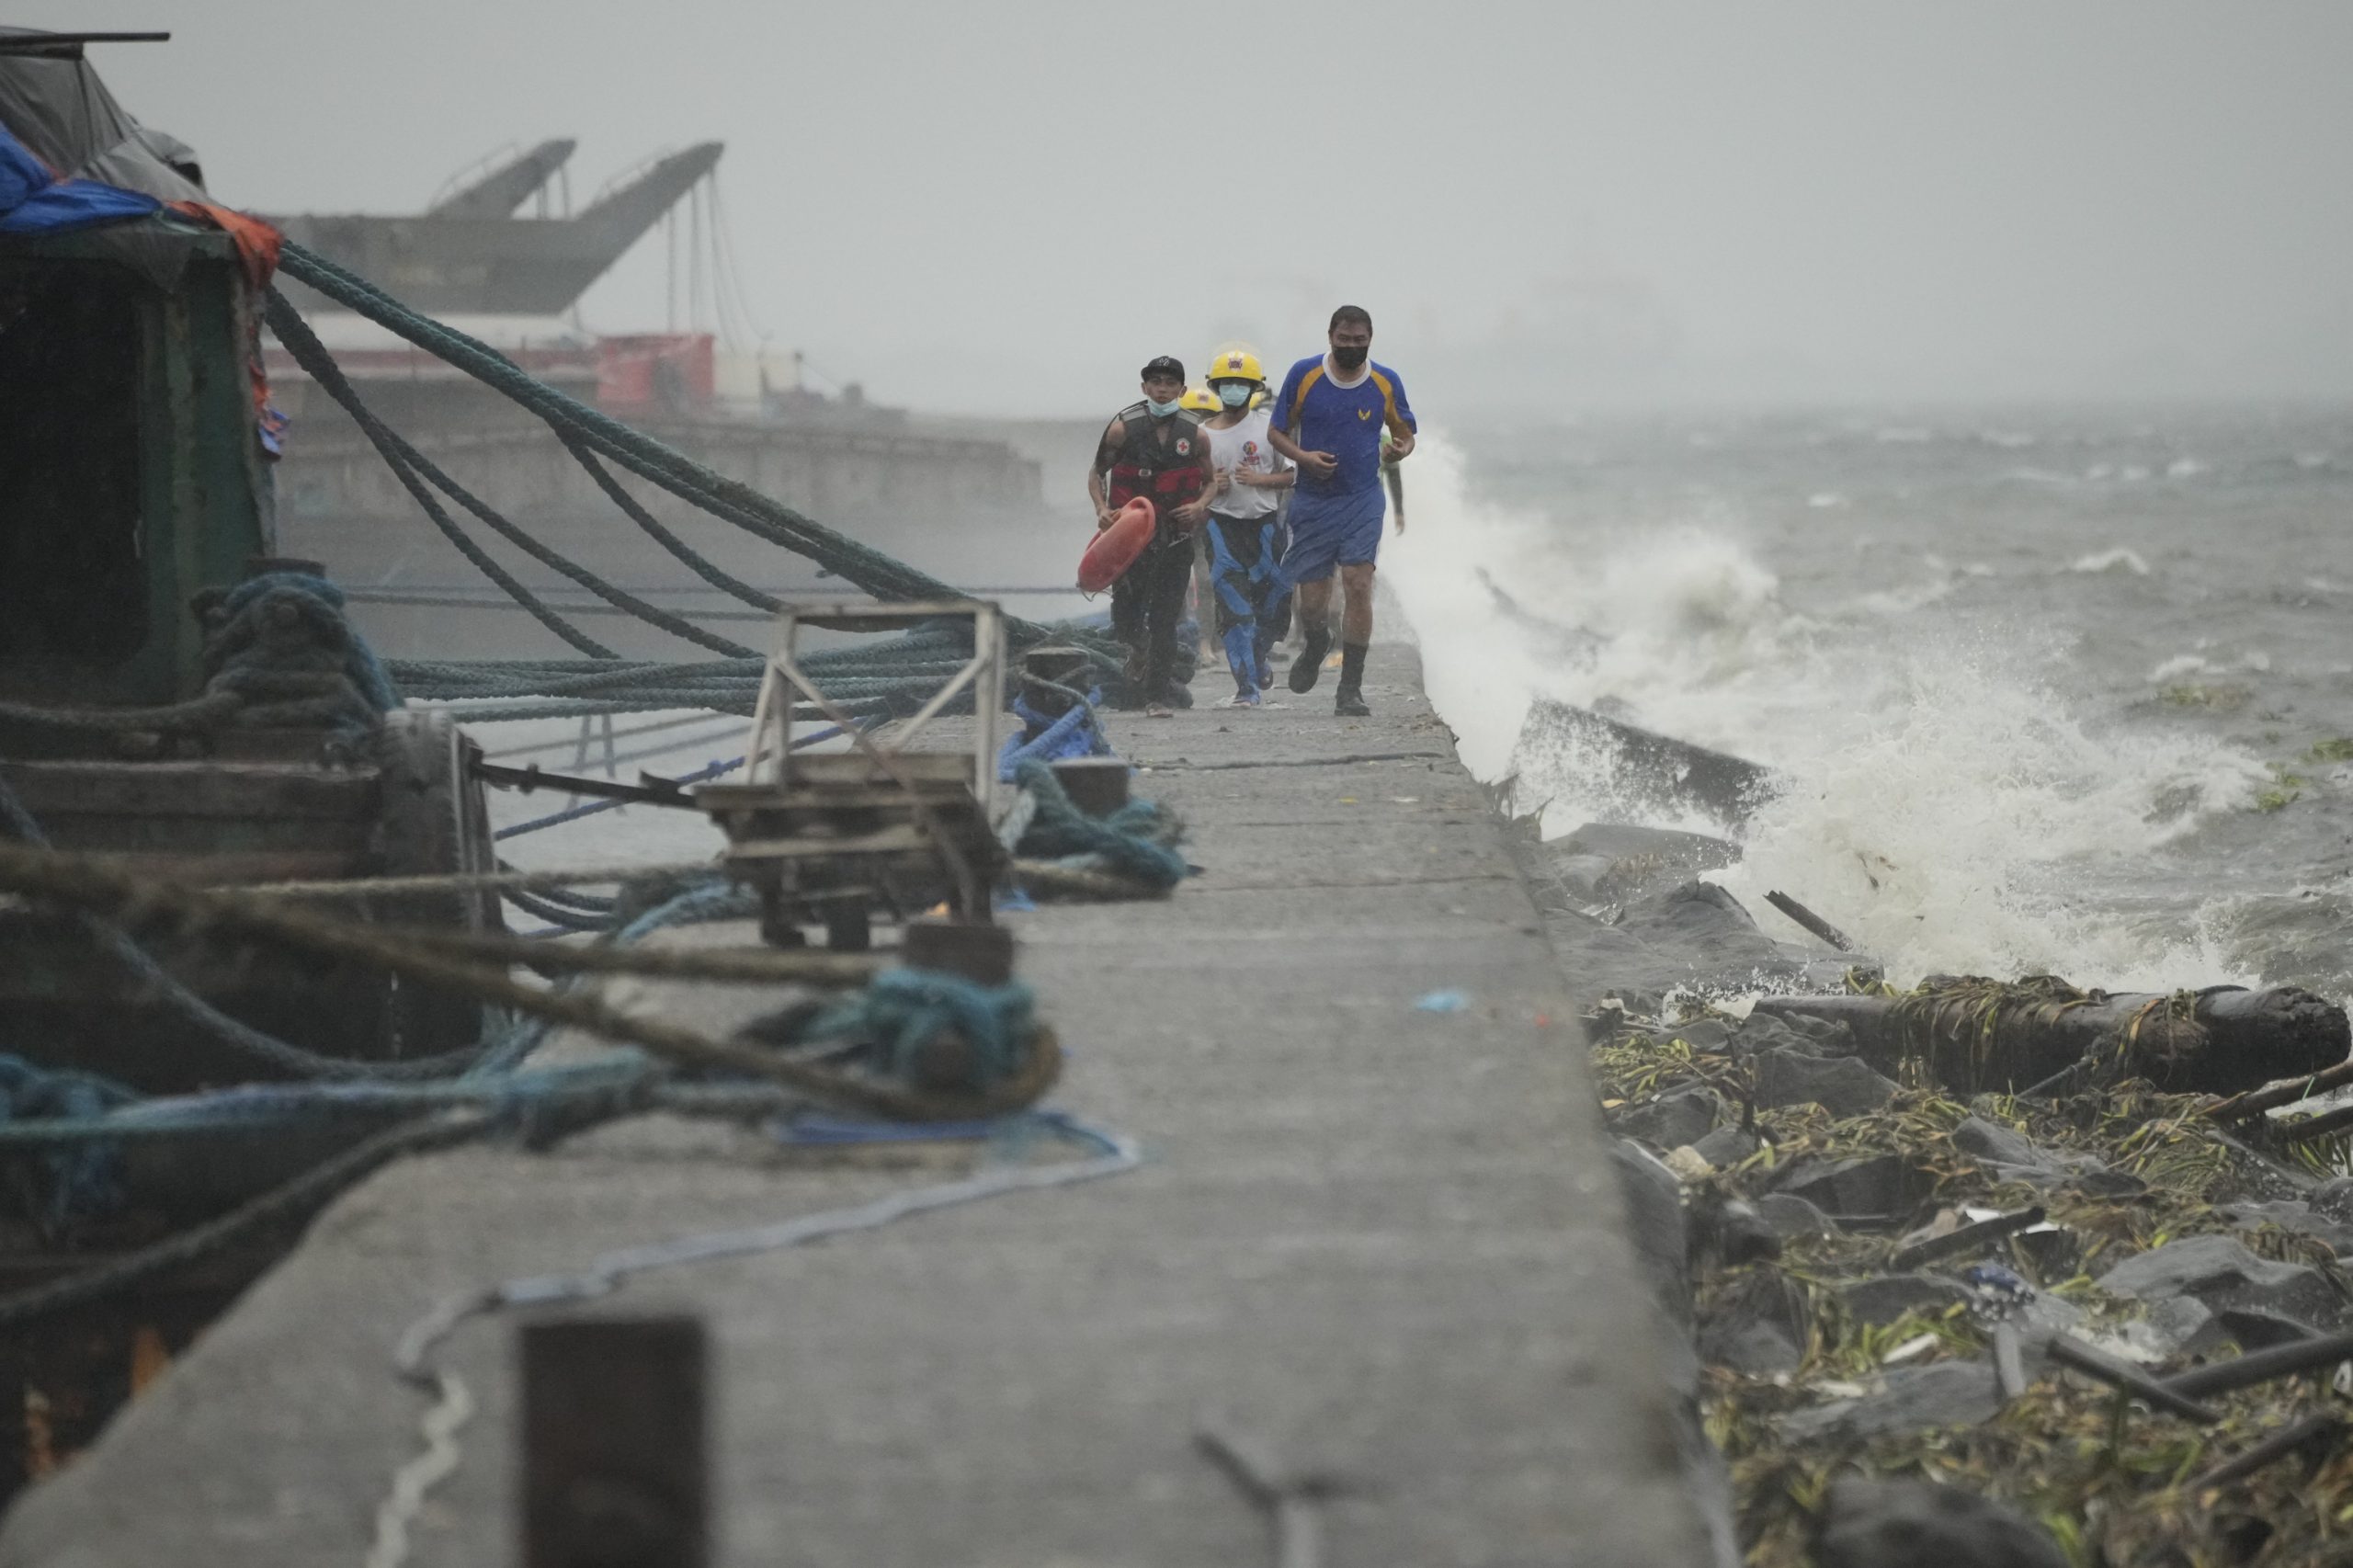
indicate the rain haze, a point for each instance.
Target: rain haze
{"x":1807,"y":687}
{"x":1007,"y":209}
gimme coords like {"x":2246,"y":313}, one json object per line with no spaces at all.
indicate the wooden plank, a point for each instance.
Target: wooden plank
{"x":615,"y":1469}
{"x":308,"y":747}
{"x":173,"y":836}
{"x":269,"y":791}
{"x":863,"y":794}
{"x":246,"y":865}
{"x":889,"y":841}
{"x":856,"y":767}
{"x":817,"y":821}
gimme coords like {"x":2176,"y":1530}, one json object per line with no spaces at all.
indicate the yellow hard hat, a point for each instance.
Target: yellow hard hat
{"x":1200,"y":400}
{"x":1236,"y":365}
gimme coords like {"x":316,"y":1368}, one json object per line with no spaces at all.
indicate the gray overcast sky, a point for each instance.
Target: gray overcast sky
{"x":1010,"y":207}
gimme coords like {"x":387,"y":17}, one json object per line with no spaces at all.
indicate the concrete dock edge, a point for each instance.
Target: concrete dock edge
{"x":1383,"y":1239}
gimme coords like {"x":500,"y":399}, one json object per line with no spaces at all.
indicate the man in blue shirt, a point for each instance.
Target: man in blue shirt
{"x":1328,"y":419}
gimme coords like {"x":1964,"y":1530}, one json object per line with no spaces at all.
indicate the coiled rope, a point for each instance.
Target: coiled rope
{"x":1134,"y":845}
{"x":902,"y":1011}
{"x":1051,"y":738}
{"x":476,"y":966}
{"x":278,"y":653}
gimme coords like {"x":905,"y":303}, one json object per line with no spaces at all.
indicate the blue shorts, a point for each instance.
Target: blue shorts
{"x":1333,"y":530}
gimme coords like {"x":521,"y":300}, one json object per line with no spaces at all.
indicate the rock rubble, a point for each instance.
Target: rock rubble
{"x":1860,"y":1405}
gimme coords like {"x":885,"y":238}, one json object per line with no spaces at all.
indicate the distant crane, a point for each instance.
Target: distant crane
{"x":468,"y":255}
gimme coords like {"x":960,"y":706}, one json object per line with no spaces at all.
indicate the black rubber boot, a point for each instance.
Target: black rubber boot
{"x":1350,"y":704}
{"x":1309,"y":663}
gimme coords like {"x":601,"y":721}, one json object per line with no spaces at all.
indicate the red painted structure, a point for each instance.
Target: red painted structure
{"x":656,"y":370}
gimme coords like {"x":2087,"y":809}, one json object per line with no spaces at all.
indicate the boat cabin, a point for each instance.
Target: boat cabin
{"x":133,"y":473}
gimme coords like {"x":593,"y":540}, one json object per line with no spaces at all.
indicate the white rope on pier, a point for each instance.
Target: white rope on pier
{"x":438,"y":1456}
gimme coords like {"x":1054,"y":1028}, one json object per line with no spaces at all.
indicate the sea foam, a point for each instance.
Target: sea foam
{"x":2117,"y":558}
{"x":1944,"y":805}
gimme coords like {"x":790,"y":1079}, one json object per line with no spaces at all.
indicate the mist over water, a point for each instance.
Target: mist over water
{"x":1985,"y":772}
{"x":1599,"y":202}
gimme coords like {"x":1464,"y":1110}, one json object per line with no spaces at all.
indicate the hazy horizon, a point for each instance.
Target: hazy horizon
{"x":1544,"y":206}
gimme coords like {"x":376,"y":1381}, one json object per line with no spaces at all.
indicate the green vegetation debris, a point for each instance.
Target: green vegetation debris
{"x":2286,"y":786}
{"x":2219,"y":698}
{"x":2106,"y":1478}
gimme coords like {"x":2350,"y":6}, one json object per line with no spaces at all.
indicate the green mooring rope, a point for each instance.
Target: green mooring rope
{"x":891,"y":671}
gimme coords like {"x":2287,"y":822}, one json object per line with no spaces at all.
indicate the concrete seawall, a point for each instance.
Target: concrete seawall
{"x":1385,"y":1241}
{"x":825,"y":470}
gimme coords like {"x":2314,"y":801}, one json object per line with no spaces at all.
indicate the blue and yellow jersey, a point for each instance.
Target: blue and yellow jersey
{"x":1347,"y":422}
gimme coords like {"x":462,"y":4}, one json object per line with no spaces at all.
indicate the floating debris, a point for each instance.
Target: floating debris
{"x":2111,"y":1315}
{"x":1641,"y":767}
{"x":1974,"y":1033}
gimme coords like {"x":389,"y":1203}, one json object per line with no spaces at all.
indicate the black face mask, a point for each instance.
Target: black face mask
{"x":1349,"y":359}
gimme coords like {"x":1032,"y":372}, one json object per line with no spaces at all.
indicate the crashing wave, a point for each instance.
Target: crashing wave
{"x":2117,"y":558}
{"x":1944,"y":803}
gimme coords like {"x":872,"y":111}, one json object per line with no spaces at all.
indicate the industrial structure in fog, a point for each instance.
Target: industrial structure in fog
{"x":468,"y":254}
{"x":515,"y":282}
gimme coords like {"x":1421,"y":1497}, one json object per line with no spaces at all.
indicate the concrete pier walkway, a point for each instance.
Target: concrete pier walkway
{"x":1383,"y":1241}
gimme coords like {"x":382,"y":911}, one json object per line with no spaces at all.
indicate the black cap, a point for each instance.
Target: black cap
{"x":1167,"y":365}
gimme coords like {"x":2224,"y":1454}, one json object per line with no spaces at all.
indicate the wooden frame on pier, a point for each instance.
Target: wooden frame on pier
{"x":770,"y":758}
{"x":834,"y":835}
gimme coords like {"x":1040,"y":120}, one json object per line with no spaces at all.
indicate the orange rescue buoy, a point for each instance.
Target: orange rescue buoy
{"x":1115,"y":549}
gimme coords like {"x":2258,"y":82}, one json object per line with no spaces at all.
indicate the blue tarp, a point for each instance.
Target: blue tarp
{"x":33,"y":201}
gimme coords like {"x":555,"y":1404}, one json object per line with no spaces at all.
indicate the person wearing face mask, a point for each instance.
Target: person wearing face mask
{"x":1243,"y":526}
{"x":1328,"y":419}
{"x":1153,"y":448}
{"x":1204,"y":598}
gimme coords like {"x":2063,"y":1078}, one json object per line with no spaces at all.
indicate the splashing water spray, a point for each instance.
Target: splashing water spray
{"x":1944,"y":806}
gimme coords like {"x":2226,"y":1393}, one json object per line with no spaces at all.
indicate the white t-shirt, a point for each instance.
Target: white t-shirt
{"x":1243,"y":445}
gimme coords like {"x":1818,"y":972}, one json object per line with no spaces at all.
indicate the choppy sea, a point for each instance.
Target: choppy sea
{"x":2062,"y":692}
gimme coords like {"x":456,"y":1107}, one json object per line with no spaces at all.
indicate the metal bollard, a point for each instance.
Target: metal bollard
{"x":981,"y":954}
{"x":1058,"y":663}
{"x":1097,"y":785}
{"x":615,"y":1473}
